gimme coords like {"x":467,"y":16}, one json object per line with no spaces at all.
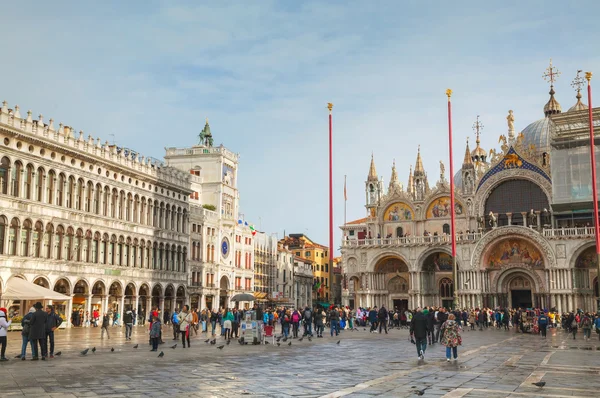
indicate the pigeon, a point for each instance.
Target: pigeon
{"x":356,"y":329}
{"x":84,"y":352}
{"x":266,"y":342}
{"x":364,"y":329}
{"x":162,"y":354}
{"x":221,"y":346}
{"x":278,"y":344}
{"x":284,"y":339}
{"x":309,"y":339}
{"x":94,"y":350}
{"x":136,"y":346}
{"x":213,"y":342}
{"x":112,"y":349}
{"x":18,"y":356}
{"x":278,"y":339}
{"x":339,"y":341}
{"x":228,"y":342}
{"x":290,"y":343}
{"x":420,"y":392}
{"x":301,"y":338}
{"x":58,"y":353}
{"x":174,"y":346}
{"x":206,"y":341}
{"x":241,"y":341}
{"x":539,"y":384}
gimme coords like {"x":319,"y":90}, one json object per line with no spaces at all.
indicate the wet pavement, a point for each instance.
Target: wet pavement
{"x":491,"y":364}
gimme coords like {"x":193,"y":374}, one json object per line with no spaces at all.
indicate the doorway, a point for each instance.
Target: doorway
{"x":447,"y":303}
{"x":402,"y":305}
{"x":521,"y":298}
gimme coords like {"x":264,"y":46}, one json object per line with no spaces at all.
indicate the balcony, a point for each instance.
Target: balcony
{"x":569,"y":233}
{"x":413,"y":240}
{"x":210,"y":285}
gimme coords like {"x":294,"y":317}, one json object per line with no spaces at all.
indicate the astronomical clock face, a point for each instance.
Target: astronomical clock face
{"x":225,"y":247}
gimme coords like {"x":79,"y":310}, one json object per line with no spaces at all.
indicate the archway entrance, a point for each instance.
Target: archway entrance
{"x":98,"y":293}
{"x":223,"y":292}
{"x":437,"y":286}
{"x":520,"y":287}
{"x":391,"y":278}
{"x":63,"y":286}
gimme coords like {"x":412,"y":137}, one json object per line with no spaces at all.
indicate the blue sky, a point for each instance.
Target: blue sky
{"x":262,"y":71}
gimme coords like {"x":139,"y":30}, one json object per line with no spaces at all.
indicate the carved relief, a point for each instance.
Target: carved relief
{"x":561,"y":251}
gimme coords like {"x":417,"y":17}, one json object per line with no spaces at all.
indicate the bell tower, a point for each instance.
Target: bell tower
{"x":468,"y":173}
{"x":373,"y":189}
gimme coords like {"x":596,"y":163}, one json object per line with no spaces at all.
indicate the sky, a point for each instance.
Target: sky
{"x":146,"y":74}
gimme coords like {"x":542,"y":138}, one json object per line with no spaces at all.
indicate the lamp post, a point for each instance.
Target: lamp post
{"x":452,"y":215}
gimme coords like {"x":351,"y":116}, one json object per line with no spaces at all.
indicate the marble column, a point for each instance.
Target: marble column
{"x":161,"y":304}
{"x":104,"y":304}
{"x":70,"y":311}
{"x":509,"y":216}
{"x":121,"y":309}
{"x":136,"y":305}
{"x":88,"y":306}
{"x":570,"y":302}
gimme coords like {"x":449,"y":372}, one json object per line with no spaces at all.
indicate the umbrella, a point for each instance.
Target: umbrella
{"x":243,"y":297}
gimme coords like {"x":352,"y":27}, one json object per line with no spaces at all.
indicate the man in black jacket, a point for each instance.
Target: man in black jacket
{"x":37,"y":331}
{"x":52,"y":323}
{"x":382,"y":315}
{"x":419,"y":329}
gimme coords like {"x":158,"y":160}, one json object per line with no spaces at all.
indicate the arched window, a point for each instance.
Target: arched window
{"x":29,"y":177}
{"x":446,"y":288}
{"x":71,"y":188}
{"x":399,"y":232}
{"x":60,"y":190}
{"x":516,"y":197}
{"x":95,"y":248}
{"x":79,"y":192}
{"x":446,"y":229}
{"x":90,"y":199}
{"x":58,"y":243}
{"x":97,"y":199}
{"x":39,"y":184}
{"x":69,"y":253}
{"x":105,"y":201}
{"x":4,"y":175}
{"x":17,"y":170}
{"x":50,"y":187}
{"x":37,"y":235}
{"x":48,"y":238}
{"x":25,"y":237}
{"x":13,"y":233}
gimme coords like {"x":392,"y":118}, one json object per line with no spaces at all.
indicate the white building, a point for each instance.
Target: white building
{"x":303,"y":282}
{"x":221,"y":242}
{"x":284,"y":285}
{"x":265,"y":266}
{"x":93,"y":221}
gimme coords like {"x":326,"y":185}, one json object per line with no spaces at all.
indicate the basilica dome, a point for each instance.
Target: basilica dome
{"x":458,"y":179}
{"x":538,"y":134}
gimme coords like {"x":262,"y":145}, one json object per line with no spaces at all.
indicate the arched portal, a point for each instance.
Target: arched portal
{"x":81,"y":292}
{"x":157,"y":293}
{"x":224,"y":292}
{"x":63,"y":286}
{"x":143,"y":302}
{"x":520,"y":288}
{"x":98,"y":294}
{"x":180,"y":297}
{"x":437,"y":272}
{"x":353,"y":288}
{"x":130,"y":297}
{"x":41,"y":281}
{"x":390,"y":277}
{"x":115,"y":292}
{"x":169,"y":299}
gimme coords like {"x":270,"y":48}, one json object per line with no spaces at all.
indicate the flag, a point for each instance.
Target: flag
{"x":345,"y":194}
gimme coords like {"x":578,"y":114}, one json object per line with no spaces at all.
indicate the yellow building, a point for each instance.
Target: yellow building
{"x":302,"y":246}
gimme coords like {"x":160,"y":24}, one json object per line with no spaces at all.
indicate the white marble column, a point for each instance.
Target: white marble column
{"x":88,"y":306}
{"x":70,"y":311}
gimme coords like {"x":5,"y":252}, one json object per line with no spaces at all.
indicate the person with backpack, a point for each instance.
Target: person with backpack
{"x":307,"y":322}
{"x":419,"y":329}
{"x":26,"y":325}
{"x":128,"y":318}
{"x":52,"y":323}
{"x":295,"y":323}
{"x":175,"y":323}
{"x":285,"y":325}
{"x":586,"y":326}
{"x":334,"y":321}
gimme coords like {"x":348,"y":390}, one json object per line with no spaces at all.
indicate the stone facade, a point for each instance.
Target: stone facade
{"x":94,"y":221}
{"x":513,"y":248}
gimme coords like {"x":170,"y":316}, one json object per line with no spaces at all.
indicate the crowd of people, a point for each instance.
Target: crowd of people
{"x":428,"y":326}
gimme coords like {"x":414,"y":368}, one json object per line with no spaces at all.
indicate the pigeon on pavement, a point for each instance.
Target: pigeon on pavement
{"x":162,"y":354}
{"x":290,"y":343}
{"x":539,"y":384}
{"x":94,"y":350}
{"x":112,"y":349}
{"x":221,"y":346}
{"x":339,"y":341}
{"x":84,"y":352}
{"x":58,"y":353}
{"x":174,"y":346}
{"x":136,"y":346}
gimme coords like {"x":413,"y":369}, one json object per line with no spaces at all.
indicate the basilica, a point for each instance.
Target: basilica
{"x":524,"y":224}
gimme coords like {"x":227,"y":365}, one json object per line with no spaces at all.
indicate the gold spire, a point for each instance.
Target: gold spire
{"x":577,"y":83}
{"x":394,"y":178}
{"x":552,"y":106}
{"x":479,"y":154}
{"x":410,"y":187}
{"x":419,"y":165}
{"x":372,"y":171}
{"x":467,"y":160}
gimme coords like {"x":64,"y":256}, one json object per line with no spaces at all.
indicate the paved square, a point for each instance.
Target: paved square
{"x":491,"y":364}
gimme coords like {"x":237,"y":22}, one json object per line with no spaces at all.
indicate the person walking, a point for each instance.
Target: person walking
{"x":543,"y":321}
{"x":228,"y":323}
{"x":572,"y":323}
{"x":295,"y":323}
{"x":382,"y":315}
{"x":175,"y":324}
{"x":184,"y":321}
{"x":586,"y":326}
{"x":419,"y":329}
{"x":105,"y":325}
{"x":37,"y":331}
{"x":128,"y":321}
{"x":52,"y":323}
{"x":26,"y":326}
{"x":4,"y":325}
{"x":451,"y":337}
{"x":334,"y":319}
{"x":194,"y":325}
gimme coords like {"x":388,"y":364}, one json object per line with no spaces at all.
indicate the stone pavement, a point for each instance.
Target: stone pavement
{"x":491,"y":364}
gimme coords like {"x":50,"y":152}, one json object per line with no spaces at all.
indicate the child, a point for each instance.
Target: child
{"x":155,"y":333}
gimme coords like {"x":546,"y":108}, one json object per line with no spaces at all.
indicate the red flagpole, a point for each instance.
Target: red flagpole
{"x":330,"y":284}
{"x":452,"y":215}
{"x":588,"y":76}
